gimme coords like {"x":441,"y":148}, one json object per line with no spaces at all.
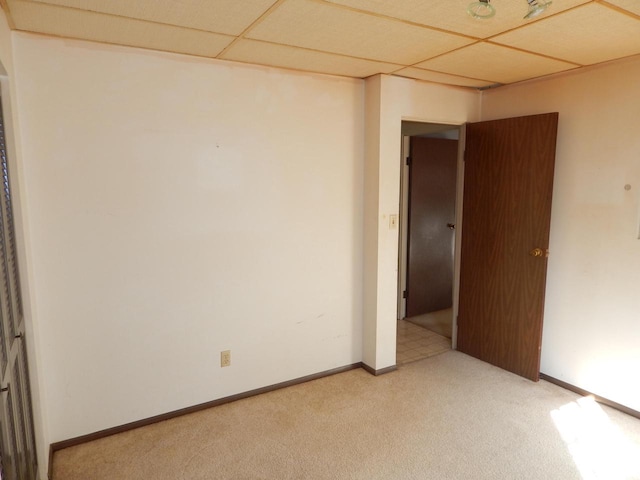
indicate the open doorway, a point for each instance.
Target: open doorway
{"x":431,"y":154}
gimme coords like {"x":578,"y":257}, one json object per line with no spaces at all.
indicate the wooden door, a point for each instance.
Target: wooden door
{"x":432,"y":197}
{"x":508,"y":184}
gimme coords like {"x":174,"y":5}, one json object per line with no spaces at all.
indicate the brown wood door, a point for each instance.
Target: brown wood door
{"x":432,"y":197}
{"x":508,"y":184}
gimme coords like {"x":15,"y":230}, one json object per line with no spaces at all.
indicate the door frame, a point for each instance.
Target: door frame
{"x":404,"y":220}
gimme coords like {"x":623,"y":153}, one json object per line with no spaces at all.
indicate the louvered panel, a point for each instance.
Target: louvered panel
{"x":11,"y":240}
{"x":5,"y":294}
{"x":5,"y":289}
{"x":18,"y":455}
{"x":6,"y":328}
{"x":16,"y":406}
{"x":31,"y":459}
{"x":20,"y":430}
{"x":9,"y":231}
{"x":3,"y":340}
{"x":7,"y":459}
{"x":7,"y":427}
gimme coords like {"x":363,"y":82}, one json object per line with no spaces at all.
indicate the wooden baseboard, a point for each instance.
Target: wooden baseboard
{"x":50,"y":466}
{"x":54,"y":447}
{"x":382,"y":371}
{"x":585,"y":393}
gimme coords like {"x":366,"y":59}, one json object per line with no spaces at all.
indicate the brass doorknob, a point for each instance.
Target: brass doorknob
{"x":538,"y":252}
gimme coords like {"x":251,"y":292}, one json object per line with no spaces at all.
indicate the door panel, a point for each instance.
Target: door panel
{"x":17,"y":439}
{"x":432,"y":195}
{"x":508,"y":185}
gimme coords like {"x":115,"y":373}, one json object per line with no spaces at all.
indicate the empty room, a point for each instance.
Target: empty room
{"x":232,"y":245}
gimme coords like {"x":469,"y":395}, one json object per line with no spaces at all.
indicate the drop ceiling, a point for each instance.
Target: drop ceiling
{"x":430,"y":40}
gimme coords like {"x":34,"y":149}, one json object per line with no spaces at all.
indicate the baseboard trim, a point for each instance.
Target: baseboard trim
{"x":54,"y":447}
{"x":583,"y":392}
{"x":382,"y":371}
{"x":50,"y":466}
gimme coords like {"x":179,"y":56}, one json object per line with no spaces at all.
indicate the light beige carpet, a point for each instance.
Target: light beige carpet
{"x":445,"y":417}
{"x":440,"y":322}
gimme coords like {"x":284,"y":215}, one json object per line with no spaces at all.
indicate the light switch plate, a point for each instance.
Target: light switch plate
{"x":225,"y":358}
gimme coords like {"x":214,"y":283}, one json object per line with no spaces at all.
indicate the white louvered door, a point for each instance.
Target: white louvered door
{"x":17,"y":440}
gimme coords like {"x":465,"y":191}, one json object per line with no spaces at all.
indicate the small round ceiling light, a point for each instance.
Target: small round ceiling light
{"x":536,"y":8}
{"x":481,"y":10}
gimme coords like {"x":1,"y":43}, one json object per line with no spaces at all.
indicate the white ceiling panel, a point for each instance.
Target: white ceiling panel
{"x":231,"y":17}
{"x":429,"y":76}
{"x":320,"y":26}
{"x":65,"y":22}
{"x":494,"y":63}
{"x":451,"y":15}
{"x":608,"y":33}
{"x":632,"y":6}
{"x":431,"y":40}
{"x":262,"y":53}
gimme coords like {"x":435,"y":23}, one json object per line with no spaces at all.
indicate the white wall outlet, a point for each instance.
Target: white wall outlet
{"x":225,"y":358}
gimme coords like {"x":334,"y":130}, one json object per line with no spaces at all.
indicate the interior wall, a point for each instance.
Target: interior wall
{"x":180,"y":207}
{"x":21,"y":226}
{"x":395,"y":99}
{"x":591,"y":330}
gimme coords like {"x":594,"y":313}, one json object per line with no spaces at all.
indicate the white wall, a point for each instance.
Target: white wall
{"x":391,"y":100}
{"x":180,"y":207}
{"x":591,"y":335}
{"x":23,"y":240}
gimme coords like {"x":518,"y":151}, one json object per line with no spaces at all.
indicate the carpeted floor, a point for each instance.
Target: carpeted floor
{"x":445,"y":417}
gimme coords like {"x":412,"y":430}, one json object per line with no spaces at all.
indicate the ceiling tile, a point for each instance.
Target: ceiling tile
{"x":445,"y":78}
{"x":586,"y":35}
{"x":632,"y":6}
{"x":222,"y":16}
{"x":452,"y":15}
{"x":65,"y":22}
{"x":262,"y":53}
{"x":320,"y":26}
{"x":495,"y":64}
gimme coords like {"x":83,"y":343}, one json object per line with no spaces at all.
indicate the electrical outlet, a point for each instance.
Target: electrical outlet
{"x":225,"y":358}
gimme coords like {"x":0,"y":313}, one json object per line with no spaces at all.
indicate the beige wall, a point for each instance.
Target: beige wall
{"x":591,"y":334}
{"x":391,"y":100}
{"x":180,"y":207}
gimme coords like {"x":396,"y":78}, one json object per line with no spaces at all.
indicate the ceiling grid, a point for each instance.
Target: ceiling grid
{"x":429,"y":40}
